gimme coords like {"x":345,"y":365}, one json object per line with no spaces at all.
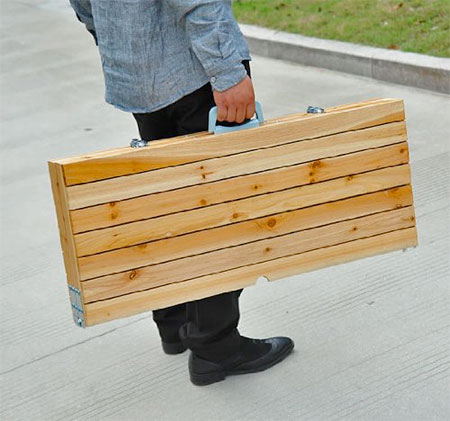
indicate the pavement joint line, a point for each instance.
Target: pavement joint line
{"x":72,"y":346}
{"x":403,"y":68}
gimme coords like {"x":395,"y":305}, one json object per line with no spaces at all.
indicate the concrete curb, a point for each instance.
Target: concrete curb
{"x":421,"y":71}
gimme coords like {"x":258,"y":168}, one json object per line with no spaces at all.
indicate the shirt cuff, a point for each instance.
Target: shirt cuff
{"x":223,"y":80}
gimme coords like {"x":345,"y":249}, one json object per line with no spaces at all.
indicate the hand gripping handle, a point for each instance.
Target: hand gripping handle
{"x":215,"y":128}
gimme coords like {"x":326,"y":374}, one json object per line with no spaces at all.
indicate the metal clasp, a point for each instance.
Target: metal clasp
{"x":77,"y":306}
{"x":138,"y":143}
{"x":315,"y":110}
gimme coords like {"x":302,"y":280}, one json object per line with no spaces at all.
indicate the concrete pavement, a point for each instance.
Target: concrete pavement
{"x":372,"y":339}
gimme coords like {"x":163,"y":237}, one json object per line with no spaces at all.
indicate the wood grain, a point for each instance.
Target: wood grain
{"x":160,"y":251}
{"x":64,"y":225}
{"x":162,"y":154}
{"x":169,"y":182}
{"x":138,"y":302}
{"x":113,"y":190}
{"x":246,"y":254}
{"x":139,"y":232}
{"x":177,"y":139}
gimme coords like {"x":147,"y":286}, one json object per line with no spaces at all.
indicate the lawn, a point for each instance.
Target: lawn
{"x":420,"y":26}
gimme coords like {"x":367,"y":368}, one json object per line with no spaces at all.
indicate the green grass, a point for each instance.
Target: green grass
{"x":420,"y":26}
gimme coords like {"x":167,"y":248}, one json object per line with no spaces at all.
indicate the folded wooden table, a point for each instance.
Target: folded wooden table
{"x":193,"y":216}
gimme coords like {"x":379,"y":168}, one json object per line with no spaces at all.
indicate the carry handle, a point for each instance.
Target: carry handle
{"x":215,"y":128}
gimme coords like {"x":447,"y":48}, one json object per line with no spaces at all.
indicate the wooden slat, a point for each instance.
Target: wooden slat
{"x":176,"y":139}
{"x":93,"y":242}
{"x":121,"y":188}
{"x":143,"y":207}
{"x":229,"y":258}
{"x":163,"y":154}
{"x":199,"y":242}
{"x":65,"y":228}
{"x":102,"y":311}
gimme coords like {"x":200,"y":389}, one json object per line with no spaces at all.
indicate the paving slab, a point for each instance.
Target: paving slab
{"x":372,"y":336}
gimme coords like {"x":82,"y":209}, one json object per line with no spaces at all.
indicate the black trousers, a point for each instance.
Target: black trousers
{"x":209,"y":326}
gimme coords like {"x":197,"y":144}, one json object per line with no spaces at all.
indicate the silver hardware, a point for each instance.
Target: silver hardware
{"x":315,"y":110}
{"x":138,"y":143}
{"x":77,"y":306}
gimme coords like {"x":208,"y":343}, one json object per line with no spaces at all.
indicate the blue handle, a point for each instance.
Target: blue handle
{"x":217,"y":129}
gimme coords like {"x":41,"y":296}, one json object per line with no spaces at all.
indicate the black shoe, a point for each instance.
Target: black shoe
{"x":204,"y":372}
{"x":173,"y":348}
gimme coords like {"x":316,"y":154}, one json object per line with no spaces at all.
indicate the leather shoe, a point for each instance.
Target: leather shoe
{"x":203,"y":372}
{"x":173,"y":348}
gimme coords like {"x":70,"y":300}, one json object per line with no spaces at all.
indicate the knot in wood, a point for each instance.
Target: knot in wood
{"x":271,"y":222}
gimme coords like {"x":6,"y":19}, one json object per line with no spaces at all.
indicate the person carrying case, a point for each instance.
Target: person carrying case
{"x":175,"y":220}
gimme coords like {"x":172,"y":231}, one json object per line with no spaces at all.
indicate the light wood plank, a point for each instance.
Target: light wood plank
{"x":139,"y":232}
{"x":121,"y":188}
{"x":199,"y":242}
{"x":64,"y":225}
{"x":177,"y":139}
{"x":144,"y":207}
{"x":163,"y":154}
{"x":258,"y":251}
{"x":127,"y":305}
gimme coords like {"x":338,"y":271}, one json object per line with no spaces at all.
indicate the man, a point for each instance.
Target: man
{"x":168,"y":62}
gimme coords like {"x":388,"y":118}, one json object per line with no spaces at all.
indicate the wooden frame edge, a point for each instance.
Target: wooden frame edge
{"x":67,"y":241}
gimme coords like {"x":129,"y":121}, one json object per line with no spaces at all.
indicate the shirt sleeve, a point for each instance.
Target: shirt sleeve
{"x":83,"y":11}
{"x":214,"y":37}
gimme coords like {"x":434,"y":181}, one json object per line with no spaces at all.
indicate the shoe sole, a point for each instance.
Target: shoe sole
{"x":205,"y":379}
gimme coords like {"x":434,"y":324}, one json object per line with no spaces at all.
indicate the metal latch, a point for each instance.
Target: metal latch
{"x":315,"y":110}
{"x":138,"y":143}
{"x":77,"y":306}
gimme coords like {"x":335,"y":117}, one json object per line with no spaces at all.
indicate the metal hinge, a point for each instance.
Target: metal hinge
{"x":315,"y":110}
{"x":77,"y":306}
{"x":138,"y":143}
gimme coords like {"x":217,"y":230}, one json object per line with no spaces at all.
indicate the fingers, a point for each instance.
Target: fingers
{"x":241,"y":113}
{"x":231,"y":115}
{"x":236,"y":103}
{"x":222,"y":112}
{"x":250,"y":111}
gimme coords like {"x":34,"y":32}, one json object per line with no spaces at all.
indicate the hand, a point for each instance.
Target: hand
{"x":236,"y":103}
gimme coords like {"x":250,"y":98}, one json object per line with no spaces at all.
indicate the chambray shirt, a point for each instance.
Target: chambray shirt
{"x":154,"y":52}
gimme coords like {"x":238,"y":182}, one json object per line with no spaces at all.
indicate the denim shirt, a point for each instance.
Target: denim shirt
{"x":154,"y":52}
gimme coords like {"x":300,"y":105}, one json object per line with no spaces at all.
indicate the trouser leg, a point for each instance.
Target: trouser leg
{"x":209,"y":327}
{"x":169,"y":320}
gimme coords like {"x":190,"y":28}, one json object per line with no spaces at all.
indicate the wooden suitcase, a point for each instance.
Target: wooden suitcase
{"x":193,"y":216}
